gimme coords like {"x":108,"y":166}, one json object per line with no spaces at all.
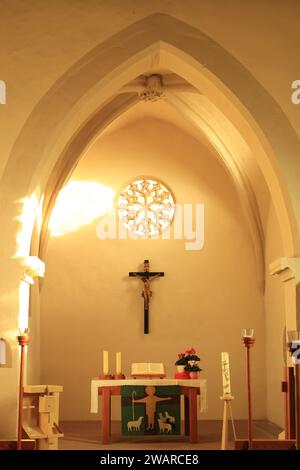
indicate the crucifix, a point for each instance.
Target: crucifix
{"x":146,"y":276}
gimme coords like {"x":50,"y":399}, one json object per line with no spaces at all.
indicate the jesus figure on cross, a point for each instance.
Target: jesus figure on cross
{"x":146,"y":276}
{"x":147,"y":292}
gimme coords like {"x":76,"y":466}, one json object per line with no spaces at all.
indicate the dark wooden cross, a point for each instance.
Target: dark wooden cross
{"x":146,"y":276}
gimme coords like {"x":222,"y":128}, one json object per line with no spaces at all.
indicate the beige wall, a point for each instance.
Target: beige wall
{"x":36,"y":48}
{"x":207,"y":297}
{"x":36,"y":52}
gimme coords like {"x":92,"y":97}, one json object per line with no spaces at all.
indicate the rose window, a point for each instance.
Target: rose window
{"x":146,"y":207}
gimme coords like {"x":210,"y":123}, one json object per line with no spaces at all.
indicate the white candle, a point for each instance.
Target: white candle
{"x":247,"y":333}
{"x":105,"y":362}
{"x":118,"y":363}
{"x":225,"y":373}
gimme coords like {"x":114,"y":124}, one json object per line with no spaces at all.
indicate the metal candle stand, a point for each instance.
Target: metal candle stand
{"x":23,"y":341}
{"x":118,"y":376}
{"x":260,"y":444}
{"x":293,"y":346}
{"x":249,"y":343}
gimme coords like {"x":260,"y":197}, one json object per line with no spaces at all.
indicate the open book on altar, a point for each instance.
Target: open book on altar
{"x":147,"y":370}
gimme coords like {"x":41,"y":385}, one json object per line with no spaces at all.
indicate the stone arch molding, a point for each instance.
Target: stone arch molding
{"x":44,"y":152}
{"x":120,"y":104}
{"x":45,"y":158}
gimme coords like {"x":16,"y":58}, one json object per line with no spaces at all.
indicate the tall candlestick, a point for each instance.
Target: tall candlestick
{"x":225,"y":373}
{"x":249,"y":341}
{"x":118,"y":363}
{"x":294,"y":349}
{"x":105,"y":362}
{"x":23,"y":341}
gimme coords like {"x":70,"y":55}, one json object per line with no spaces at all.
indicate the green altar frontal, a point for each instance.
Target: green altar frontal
{"x":150,"y":410}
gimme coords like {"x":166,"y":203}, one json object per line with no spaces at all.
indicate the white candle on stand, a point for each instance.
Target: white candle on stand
{"x":225,"y":373}
{"x":105,"y":362}
{"x":118,"y":363}
{"x":247,"y":333}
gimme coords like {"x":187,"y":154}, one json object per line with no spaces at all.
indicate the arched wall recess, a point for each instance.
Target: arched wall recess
{"x":97,"y":124}
{"x":157,"y":41}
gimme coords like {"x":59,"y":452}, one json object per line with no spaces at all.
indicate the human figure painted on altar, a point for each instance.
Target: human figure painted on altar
{"x":150,"y":401}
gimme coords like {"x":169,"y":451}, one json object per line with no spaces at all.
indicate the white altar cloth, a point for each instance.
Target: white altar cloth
{"x":201,"y":384}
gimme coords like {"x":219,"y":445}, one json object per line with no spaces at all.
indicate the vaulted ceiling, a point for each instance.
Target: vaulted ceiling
{"x":172,"y":99}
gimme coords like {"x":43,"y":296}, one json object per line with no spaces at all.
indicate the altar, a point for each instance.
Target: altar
{"x":188,"y":389}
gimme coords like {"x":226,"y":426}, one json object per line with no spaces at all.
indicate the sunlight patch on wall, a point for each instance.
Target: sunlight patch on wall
{"x":32,"y":210}
{"x":78,"y":204}
{"x":24,"y":290}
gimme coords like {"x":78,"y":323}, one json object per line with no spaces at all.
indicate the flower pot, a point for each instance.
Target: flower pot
{"x":194,"y":375}
{"x":181,"y":374}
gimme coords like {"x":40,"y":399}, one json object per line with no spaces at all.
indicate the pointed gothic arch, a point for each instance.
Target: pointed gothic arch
{"x":93,"y":83}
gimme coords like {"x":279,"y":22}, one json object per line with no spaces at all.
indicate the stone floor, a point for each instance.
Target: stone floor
{"x":85,"y":435}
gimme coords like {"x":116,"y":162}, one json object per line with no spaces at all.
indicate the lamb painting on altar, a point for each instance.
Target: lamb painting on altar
{"x":150,"y":410}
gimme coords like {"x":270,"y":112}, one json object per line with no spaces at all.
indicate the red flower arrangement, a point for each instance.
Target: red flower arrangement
{"x":189,"y":361}
{"x":191,"y":351}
